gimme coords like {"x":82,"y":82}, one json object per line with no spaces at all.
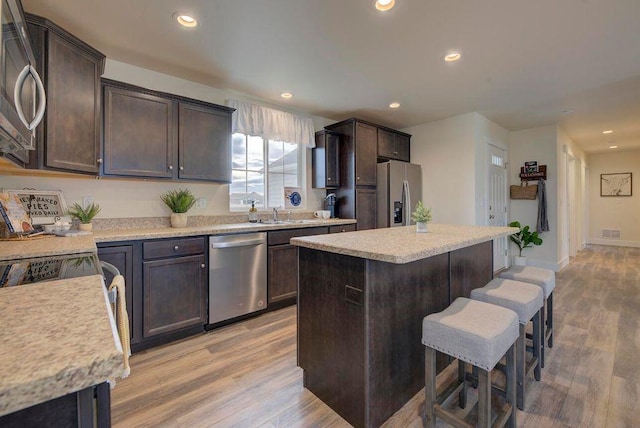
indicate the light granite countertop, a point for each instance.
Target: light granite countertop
{"x":403,"y":244}
{"x":57,"y":337}
{"x":52,"y":245}
{"x":215,"y":229}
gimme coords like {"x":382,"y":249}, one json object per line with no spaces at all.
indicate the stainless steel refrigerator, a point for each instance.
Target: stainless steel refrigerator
{"x":399,"y":188}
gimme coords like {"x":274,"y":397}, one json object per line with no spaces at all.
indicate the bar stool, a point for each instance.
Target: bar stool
{"x":477,"y":333}
{"x":526,"y":301}
{"x":545,"y":278}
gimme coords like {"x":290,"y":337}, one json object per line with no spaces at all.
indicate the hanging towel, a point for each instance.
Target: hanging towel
{"x":122,"y":320}
{"x":543,"y":222}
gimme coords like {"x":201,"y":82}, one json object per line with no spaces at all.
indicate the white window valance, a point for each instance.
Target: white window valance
{"x":271,"y":124}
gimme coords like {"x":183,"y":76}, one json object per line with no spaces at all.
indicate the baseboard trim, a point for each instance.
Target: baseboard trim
{"x":614,"y":243}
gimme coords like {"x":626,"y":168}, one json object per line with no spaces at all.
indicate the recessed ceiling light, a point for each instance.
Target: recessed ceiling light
{"x":185,"y":19}
{"x":385,"y":5}
{"x":608,"y":131}
{"x":394,"y":105}
{"x":452,"y":56}
{"x":613,"y":147}
{"x":286,"y":95}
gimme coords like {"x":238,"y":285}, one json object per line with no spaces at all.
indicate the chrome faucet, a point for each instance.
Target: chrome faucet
{"x":275,"y":214}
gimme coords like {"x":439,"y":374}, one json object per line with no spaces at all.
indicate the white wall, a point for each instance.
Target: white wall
{"x":140,"y":198}
{"x":445,"y":149}
{"x":620,"y":213}
{"x":536,"y":144}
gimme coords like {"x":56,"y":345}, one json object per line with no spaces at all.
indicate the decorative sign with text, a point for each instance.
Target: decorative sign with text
{"x":43,"y":206}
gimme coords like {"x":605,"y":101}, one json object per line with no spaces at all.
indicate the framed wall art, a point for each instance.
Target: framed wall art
{"x":617,"y":184}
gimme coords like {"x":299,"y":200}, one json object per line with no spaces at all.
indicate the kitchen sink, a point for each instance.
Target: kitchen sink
{"x":291,"y":221}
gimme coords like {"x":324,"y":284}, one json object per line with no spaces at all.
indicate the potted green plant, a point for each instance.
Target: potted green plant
{"x":84,"y":215}
{"x":179,"y":201}
{"x":421,"y":216}
{"x":524,"y":238}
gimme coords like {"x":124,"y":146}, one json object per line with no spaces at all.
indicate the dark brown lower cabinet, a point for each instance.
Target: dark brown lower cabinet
{"x":282,"y":262}
{"x":283,"y":273}
{"x":366,"y":206}
{"x":121,"y":256}
{"x":174,"y":295}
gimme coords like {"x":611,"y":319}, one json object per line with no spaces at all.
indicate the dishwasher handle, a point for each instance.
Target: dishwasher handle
{"x":247,"y":243}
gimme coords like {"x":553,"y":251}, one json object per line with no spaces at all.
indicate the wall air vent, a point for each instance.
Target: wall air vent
{"x":611,"y":233}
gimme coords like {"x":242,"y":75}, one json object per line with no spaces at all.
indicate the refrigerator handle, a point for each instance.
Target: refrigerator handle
{"x":406,"y":196}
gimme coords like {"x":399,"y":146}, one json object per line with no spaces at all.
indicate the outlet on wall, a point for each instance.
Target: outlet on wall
{"x":86,"y":201}
{"x":201,"y":203}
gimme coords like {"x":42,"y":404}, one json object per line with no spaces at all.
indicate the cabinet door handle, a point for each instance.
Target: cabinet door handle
{"x":357,"y":178}
{"x":342,"y":230}
{"x":395,"y":153}
{"x":181,"y":168}
{"x":99,"y":161}
{"x":176,"y":248}
{"x":170,"y":167}
{"x":203,"y":266}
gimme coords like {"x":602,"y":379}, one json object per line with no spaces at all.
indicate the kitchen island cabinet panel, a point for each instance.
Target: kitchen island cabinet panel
{"x":175,"y":295}
{"x":332,"y":314}
{"x":471,"y":268}
{"x":69,"y":137}
{"x":204,"y":143}
{"x":139,"y":134}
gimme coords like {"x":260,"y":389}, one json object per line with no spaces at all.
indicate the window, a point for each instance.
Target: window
{"x":261,"y":170}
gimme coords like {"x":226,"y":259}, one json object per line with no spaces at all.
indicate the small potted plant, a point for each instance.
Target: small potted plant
{"x":179,"y":201}
{"x":84,"y":215}
{"x":523,"y":239}
{"x":421,"y":216}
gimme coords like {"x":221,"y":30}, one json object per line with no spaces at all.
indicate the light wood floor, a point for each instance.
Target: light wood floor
{"x":245,"y":375}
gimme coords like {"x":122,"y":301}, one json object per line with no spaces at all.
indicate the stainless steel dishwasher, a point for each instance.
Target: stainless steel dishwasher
{"x":237,"y":275}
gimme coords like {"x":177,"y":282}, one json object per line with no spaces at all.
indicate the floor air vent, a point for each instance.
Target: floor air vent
{"x":610,"y":234}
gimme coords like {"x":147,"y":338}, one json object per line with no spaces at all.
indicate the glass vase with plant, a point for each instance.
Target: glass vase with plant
{"x":421,"y":216}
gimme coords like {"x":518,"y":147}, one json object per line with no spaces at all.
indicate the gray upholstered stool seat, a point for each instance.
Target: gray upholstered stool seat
{"x":545,"y":278}
{"x":477,"y":333}
{"x":525,"y":300}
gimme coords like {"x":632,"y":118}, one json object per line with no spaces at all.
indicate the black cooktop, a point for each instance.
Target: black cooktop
{"x":40,"y":269}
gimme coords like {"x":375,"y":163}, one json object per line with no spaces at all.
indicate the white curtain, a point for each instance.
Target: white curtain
{"x":271,"y":124}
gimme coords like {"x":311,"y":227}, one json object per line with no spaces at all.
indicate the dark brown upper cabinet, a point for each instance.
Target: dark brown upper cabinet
{"x":366,"y":138}
{"x":157,"y":135}
{"x":326,"y":164}
{"x":69,"y":137}
{"x":204,"y":143}
{"x":393,"y":145}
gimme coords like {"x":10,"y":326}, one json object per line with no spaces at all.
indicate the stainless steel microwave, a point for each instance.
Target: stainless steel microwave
{"x":22,"y":96}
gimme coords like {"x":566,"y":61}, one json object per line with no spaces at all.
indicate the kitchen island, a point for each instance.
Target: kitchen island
{"x":361,"y":300}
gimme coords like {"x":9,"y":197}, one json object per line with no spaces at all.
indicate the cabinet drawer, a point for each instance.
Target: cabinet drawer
{"x":172,"y":248}
{"x":283,"y":236}
{"x":342,"y":228}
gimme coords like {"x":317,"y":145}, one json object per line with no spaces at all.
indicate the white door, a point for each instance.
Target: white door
{"x":497,"y":202}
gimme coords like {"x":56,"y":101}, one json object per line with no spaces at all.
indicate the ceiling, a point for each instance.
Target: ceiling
{"x":523,"y":63}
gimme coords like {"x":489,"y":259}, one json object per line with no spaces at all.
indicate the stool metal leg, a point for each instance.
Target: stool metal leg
{"x":542,"y":334}
{"x":550,"y":319}
{"x":430,"y":387}
{"x":537,"y":326}
{"x":511,"y":385}
{"x":462,"y":396}
{"x":521,"y":366}
{"x":484,"y":398}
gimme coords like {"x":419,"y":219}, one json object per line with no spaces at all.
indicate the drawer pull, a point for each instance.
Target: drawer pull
{"x":170,"y":167}
{"x":203,"y":266}
{"x":176,"y":248}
